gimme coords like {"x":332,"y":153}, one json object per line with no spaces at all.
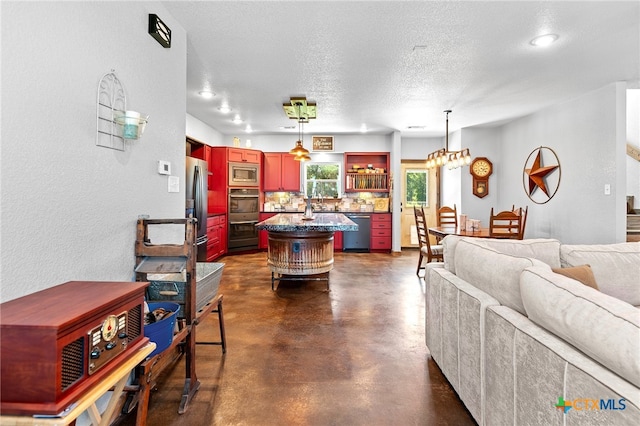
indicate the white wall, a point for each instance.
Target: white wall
{"x":450,"y":189}
{"x":201,"y":132}
{"x":587,"y":133}
{"x":342,"y":143}
{"x":633,"y":137}
{"x":482,"y":142}
{"x":68,"y":207}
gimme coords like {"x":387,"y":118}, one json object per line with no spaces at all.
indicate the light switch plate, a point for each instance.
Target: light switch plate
{"x":174,"y":184}
{"x":607,"y":189}
{"x":164,"y":167}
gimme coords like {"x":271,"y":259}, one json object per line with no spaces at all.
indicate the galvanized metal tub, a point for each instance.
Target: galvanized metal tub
{"x":300,"y":253}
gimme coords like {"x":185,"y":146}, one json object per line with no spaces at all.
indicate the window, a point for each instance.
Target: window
{"x":322,"y":180}
{"x":416,"y":188}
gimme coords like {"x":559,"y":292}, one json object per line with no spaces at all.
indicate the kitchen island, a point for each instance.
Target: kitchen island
{"x":300,"y":248}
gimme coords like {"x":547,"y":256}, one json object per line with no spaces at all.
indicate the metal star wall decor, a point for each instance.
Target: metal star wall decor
{"x":537,"y":176}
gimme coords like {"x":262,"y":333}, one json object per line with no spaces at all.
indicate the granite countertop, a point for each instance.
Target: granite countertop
{"x":325,"y":212}
{"x":322,"y":222}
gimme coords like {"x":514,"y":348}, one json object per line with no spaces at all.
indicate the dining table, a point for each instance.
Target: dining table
{"x":442,"y":231}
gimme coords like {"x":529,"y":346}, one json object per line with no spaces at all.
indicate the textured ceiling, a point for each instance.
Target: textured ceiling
{"x":391,"y":65}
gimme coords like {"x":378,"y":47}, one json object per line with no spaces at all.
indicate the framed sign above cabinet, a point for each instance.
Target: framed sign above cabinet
{"x":322,"y":143}
{"x":480,"y":169}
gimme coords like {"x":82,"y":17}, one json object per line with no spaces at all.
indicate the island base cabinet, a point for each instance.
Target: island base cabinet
{"x":300,"y":253}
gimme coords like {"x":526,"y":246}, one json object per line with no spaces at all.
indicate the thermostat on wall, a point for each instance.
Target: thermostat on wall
{"x":164,"y":167}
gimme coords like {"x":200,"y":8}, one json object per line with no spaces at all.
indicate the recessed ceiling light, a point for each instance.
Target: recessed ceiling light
{"x":288,"y":127}
{"x":237,"y":119}
{"x":225,"y":109}
{"x":248,"y":129}
{"x":544,"y":40}
{"x":415,"y":127}
{"x":363,"y":128}
{"x":207,"y":94}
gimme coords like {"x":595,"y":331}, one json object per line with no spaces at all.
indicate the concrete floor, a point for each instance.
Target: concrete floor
{"x":354,"y":355}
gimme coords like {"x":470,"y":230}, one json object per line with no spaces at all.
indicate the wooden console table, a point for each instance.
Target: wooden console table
{"x":116,"y":380}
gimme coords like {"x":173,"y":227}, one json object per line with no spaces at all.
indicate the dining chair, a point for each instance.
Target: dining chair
{"x":447,"y":216}
{"x":431,"y":252}
{"x":506,"y":224}
{"x":523,"y":220}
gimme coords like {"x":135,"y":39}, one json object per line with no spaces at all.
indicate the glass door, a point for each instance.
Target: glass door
{"x":419,"y":189}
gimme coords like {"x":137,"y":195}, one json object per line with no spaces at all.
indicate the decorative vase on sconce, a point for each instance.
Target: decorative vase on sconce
{"x":131,"y":122}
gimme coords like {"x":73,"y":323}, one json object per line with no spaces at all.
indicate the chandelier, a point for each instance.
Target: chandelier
{"x":452,"y":159}
{"x":301,"y":110}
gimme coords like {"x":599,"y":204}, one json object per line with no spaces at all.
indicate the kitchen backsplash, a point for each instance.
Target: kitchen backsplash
{"x":350,"y":202}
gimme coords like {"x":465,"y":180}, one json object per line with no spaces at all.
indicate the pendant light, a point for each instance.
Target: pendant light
{"x":299,"y":151}
{"x":452,"y":159}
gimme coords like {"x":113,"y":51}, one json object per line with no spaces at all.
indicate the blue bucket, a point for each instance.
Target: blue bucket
{"x":161,"y":332}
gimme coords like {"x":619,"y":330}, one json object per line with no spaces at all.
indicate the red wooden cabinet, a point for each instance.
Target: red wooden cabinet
{"x":381,"y":231}
{"x":281,"y":172}
{"x":243,"y":155}
{"x":376,"y":180}
{"x":264,"y":235}
{"x":337,"y":241}
{"x":217,"y":236}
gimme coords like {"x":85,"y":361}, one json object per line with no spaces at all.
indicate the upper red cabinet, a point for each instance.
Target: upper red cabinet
{"x":242,"y":155}
{"x":281,"y":172}
{"x":366,"y":171}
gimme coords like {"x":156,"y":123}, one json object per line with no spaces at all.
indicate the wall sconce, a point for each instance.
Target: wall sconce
{"x":132,"y":123}
{"x":159,"y":31}
{"x":114,"y":122}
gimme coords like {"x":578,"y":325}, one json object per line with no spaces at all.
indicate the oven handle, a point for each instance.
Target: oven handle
{"x":246,"y":222}
{"x":242,"y":196}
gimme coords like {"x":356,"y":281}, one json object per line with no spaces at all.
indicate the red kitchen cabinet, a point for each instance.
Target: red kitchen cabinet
{"x":217,"y":236}
{"x":376,"y":180}
{"x":243,"y":155}
{"x":381,"y":232}
{"x":337,"y":241}
{"x":281,"y":172}
{"x":264,"y":235}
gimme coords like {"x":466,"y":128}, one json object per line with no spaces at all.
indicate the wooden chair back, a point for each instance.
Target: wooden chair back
{"x":448,"y":216}
{"x":426,"y":250}
{"x":523,"y":221}
{"x":421,"y":227}
{"x":506,"y":224}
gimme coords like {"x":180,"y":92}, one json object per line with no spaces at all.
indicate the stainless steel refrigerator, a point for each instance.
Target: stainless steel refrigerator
{"x":196,"y":190}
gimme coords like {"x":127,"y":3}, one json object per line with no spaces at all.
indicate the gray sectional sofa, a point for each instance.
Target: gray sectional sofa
{"x":524,"y":345}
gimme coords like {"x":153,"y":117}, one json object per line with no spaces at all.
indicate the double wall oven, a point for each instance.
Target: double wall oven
{"x":243,"y":216}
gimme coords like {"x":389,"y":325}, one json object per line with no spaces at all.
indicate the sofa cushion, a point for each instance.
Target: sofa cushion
{"x":601,"y":326}
{"x":582,"y":273}
{"x":544,"y":249}
{"x":493,"y":272}
{"x":616,"y":267}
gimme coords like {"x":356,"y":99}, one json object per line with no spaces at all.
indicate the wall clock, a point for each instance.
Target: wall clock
{"x":481,"y":168}
{"x":541,"y":175}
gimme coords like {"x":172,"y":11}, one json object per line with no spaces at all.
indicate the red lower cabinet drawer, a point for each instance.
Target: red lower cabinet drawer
{"x":380,"y":243}
{"x":381,"y":232}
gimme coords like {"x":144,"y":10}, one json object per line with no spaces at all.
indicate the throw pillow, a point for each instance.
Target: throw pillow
{"x":582,"y":273}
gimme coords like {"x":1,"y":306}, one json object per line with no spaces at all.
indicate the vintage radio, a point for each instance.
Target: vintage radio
{"x":56,"y":343}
